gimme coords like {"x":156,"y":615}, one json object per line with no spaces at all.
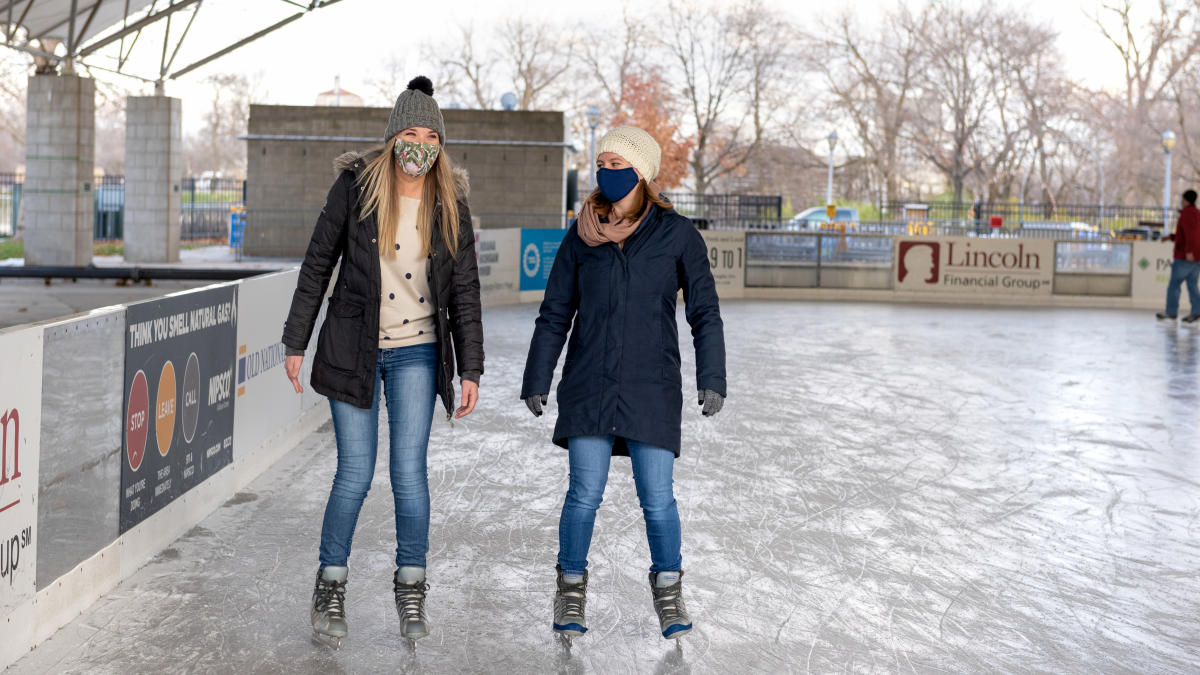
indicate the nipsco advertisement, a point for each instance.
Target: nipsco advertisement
{"x":179,"y":394}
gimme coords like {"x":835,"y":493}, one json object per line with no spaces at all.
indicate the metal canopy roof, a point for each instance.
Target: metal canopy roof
{"x":69,"y":31}
{"x":51,"y":19}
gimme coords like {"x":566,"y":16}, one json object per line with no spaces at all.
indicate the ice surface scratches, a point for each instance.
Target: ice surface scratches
{"x":889,"y":489}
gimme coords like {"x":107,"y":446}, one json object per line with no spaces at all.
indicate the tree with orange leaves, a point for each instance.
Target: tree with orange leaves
{"x":644,"y":103}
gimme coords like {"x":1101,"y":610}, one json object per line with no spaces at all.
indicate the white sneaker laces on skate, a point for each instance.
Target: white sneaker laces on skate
{"x":668,"y":602}
{"x":410,"y":599}
{"x":571,"y":601}
{"x":331,"y":599}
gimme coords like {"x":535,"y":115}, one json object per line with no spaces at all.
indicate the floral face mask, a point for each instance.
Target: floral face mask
{"x":416,"y":159}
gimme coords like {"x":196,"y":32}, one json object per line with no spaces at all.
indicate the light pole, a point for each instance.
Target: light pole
{"x":1091,"y":149}
{"x":593,"y":118}
{"x":1168,"y":143}
{"x":833,"y":139}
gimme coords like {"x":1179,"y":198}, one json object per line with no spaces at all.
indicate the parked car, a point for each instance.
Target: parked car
{"x":814,"y":218}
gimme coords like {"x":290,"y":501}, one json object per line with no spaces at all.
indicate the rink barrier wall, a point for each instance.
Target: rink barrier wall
{"x":66,"y":379}
{"x":960,"y":270}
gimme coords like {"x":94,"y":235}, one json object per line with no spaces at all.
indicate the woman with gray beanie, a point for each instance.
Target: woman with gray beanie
{"x":402,"y":316}
{"x":613,"y":290}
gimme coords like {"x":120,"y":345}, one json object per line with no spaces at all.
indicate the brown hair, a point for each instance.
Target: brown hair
{"x":380,"y":182}
{"x":603,"y":207}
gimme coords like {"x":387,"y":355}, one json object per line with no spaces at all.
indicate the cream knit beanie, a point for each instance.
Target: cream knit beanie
{"x":636,"y":146}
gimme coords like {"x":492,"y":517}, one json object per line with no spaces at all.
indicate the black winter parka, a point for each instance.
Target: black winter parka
{"x":347,"y":347}
{"x":622,"y":375}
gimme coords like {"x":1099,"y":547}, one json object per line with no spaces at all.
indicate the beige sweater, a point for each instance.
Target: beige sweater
{"x":405,"y":308}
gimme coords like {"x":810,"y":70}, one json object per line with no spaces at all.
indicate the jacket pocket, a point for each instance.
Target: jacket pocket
{"x":339,"y":345}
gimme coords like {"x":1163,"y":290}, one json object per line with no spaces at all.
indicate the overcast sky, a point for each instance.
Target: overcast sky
{"x":353,"y":37}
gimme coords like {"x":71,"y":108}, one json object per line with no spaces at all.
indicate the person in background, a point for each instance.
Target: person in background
{"x":405,"y":301}
{"x":1185,"y":269}
{"x":613,"y":289}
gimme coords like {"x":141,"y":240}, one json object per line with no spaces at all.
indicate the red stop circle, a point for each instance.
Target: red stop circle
{"x":137,"y":421}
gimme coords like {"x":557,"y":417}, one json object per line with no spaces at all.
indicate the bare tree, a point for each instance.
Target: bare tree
{"x":958,"y":91}
{"x":1154,"y":56}
{"x":871,"y":79}
{"x":216,"y":147}
{"x":466,"y":72}
{"x":609,"y":63}
{"x":537,"y":57}
{"x":714,"y":61}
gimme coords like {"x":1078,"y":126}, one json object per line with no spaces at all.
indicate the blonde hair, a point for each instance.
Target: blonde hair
{"x":381,"y":183}
{"x":643,"y":194}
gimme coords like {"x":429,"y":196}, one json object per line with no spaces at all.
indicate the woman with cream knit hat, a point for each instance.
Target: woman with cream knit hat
{"x":613,"y":290}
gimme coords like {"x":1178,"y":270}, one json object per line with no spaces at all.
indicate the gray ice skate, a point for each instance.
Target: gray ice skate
{"x":673,"y":618}
{"x":408,"y":584}
{"x":329,"y":606}
{"x":569,"y":603}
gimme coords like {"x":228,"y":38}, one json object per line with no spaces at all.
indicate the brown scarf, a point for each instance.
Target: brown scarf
{"x":595,"y":232}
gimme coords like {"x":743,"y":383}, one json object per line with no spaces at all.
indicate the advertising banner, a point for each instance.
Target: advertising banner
{"x":20,"y":426}
{"x":266,"y":401}
{"x":981,"y":266}
{"x":538,"y":248}
{"x":727,"y":257}
{"x":179,"y":397}
{"x":498,"y":252}
{"x":1151,"y":272}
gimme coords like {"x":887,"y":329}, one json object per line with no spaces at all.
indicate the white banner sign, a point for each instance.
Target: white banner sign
{"x":20,"y":424}
{"x":980,"y":266}
{"x":265,"y":399}
{"x":498,"y":254}
{"x":727,"y":258}
{"x":1151,"y":271}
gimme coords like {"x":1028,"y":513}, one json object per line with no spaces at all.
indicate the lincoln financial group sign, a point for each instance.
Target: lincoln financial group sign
{"x":976,"y":266}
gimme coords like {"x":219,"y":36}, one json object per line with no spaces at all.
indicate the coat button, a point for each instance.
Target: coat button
{"x":372,"y":240}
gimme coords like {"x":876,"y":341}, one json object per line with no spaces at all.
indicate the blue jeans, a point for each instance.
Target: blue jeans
{"x":1183,"y":271}
{"x":409,"y":377}
{"x":652,"y":466}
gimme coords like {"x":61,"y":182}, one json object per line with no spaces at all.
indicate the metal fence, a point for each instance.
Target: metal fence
{"x":207,"y":205}
{"x":1106,"y":216}
{"x":10,"y":204}
{"x":729,"y":211}
{"x":109,"y":215}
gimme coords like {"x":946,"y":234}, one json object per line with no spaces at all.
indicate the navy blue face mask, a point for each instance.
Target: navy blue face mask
{"x":615,"y":184}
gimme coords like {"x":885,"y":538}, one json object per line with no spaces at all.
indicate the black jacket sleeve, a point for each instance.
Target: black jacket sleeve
{"x":703,"y":313}
{"x":554,"y":320}
{"x":466,"y":321}
{"x":324,"y":249}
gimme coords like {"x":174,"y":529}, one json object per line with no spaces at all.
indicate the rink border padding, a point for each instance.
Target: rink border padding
{"x":53,"y":604}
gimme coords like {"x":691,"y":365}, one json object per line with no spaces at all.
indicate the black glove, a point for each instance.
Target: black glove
{"x":536,"y":402}
{"x":712,"y":402}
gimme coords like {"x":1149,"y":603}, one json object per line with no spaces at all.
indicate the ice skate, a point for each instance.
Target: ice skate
{"x":329,"y":607}
{"x":569,"y":602}
{"x":409,"y":586}
{"x":673,"y":618}
{"x":1163,"y":316}
{"x":1191,"y":318}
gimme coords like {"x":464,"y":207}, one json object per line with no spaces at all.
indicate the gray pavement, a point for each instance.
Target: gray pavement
{"x":890,"y":488}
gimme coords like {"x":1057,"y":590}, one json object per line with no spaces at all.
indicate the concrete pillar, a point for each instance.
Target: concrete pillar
{"x":60,"y":137}
{"x":153,"y":174}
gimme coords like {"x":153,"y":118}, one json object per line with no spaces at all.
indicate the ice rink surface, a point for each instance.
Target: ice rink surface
{"x":890,"y":489}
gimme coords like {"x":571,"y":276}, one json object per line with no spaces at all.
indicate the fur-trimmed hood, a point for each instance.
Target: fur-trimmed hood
{"x":358,"y":161}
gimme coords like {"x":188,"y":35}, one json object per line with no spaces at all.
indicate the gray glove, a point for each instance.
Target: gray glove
{"x":712,"y":402}
{"x":536,"y":403}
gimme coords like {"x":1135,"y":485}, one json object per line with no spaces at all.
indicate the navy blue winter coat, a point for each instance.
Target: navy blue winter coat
{"x":622,"y":376}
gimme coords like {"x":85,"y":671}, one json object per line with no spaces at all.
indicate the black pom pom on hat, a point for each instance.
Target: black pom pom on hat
{"x":421,"y":84}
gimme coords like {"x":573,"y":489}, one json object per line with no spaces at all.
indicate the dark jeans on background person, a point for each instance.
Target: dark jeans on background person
{"x":409,"y":379}
{"x":652,"y":475}
{"x":1184,"y":272}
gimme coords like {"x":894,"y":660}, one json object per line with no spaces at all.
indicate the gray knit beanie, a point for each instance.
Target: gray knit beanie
{"x":415,"y":107}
